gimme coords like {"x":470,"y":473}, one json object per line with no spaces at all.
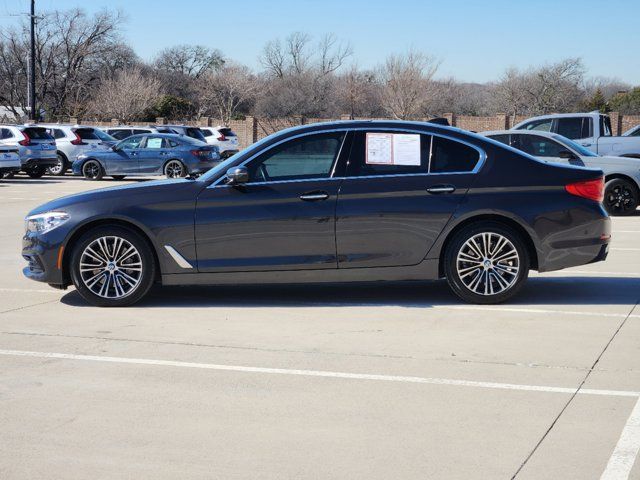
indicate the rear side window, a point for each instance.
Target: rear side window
{"x":171,"y":143}
{"x":56,"y":133}
{"x":227,"y":132}
{"x":5,"y":133}
{"x":86,"y":134}
{"x":195,"y":133}
{"x":450,"y":156}
{"x":574,"y":127}
{"x":500,"y":138}
{"x":537,"y":146}
{"x":206,"y":132}
{"x":368,"y":144}
{"x":37,"y":133}
{"x":307,"y":157}
{"x":120,"y":134}
{"x":154,"y":143}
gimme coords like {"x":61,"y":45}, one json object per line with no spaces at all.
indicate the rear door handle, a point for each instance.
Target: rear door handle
{"x":314,"y":196}
{"x":441,"y":189}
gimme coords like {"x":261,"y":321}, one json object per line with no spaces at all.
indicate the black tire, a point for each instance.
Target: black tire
{"x":620,"y":197}
{"x":10,"y":175}
{"x":92,"y":170}
{"x":60,"y":168}
{"x":175,"y":169}
{"x":147,"y":266}
{"x":513,"y":271}
{"x":36,"y":172}
{"x":118,"y":177}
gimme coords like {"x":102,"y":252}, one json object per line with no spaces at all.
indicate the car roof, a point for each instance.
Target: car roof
{"x":557,"y":115}
{"x":520,"y":132}
{"x":66,"y":125}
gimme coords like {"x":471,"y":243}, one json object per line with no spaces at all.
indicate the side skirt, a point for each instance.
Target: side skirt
{"x":426,"y":270}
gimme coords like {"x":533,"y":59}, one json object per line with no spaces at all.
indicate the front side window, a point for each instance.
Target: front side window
{"x":574,"y":127}
{"x":307,"y":157}
{"x":540,"y":125}
{"x":537,"y":146}
{"x":131,"y":142}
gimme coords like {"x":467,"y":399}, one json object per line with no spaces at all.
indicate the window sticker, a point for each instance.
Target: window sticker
{"x":392,"y":149}
{"x":154,"y":143}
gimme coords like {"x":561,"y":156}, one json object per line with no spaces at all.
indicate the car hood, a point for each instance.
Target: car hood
{"x":129,"y":193}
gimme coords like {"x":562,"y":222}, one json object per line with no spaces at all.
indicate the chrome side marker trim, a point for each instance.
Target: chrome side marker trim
{"x":179,"y":259}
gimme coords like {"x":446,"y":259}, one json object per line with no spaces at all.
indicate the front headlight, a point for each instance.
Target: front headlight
{"x":45,"y":222}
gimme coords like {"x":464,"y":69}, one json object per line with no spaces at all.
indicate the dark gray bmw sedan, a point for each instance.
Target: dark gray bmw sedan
{"x":330,"y":202}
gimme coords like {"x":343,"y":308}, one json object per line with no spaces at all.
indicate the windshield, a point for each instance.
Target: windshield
{"x":585,"y":152}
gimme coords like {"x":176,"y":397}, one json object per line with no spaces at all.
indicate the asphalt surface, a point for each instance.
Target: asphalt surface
{"x":394,"y":381}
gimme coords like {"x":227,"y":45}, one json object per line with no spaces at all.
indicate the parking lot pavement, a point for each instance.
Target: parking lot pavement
{"x":337,"y":381}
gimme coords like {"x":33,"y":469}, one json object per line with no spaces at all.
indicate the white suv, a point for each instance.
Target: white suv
{"x":223,"y":137}
{"x":9,"y":161}
{"x":74,"y":140}
{"x":37,"y":149}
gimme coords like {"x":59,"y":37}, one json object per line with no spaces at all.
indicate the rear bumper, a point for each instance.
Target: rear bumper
{"x":38,"y":162}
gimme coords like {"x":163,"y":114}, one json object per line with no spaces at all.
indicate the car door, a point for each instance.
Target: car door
{"x":399,"y":193}
{"x":124,"y":159}
{"x":152,"y":156}
{"x":546,"y":149}
{"x":282,"y":219}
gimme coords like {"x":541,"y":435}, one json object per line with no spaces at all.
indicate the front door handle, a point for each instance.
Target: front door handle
{"x":441,"y":189}
{"x":314,"y":196}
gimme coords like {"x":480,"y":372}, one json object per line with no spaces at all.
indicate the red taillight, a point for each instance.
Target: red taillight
{"x":26,"y":142}
{"x":200,"y":153}
{"x":78,"y":140}
{"x":591,"y":189}
{"x":222,"y":138}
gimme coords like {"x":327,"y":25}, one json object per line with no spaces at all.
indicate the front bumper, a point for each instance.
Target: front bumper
{"x":43,"y":254}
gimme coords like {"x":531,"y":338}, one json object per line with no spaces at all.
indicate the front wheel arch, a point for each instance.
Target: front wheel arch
{"x":508,"y":222}
{"x":79,"y":232}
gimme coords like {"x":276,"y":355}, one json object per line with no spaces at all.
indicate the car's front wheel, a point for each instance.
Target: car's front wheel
{"x":92,"y":170}
{"x":620,"y":197}
{"x":112,"y":266}
{"x":175,"y":169}
{"x":486,"y":262}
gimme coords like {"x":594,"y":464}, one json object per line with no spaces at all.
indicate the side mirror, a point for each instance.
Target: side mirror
{"x":237,"y":175}
{"x":567,"y":155}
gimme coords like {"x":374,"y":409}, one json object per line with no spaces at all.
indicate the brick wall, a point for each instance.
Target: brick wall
{"x":252,"y":129}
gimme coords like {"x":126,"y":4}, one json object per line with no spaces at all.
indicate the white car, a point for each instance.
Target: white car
{"x":9,"y":161}
{"x":622,"y":174}
{"x":224,"y":138}
{"x":591,"y":130}
{"x":36,"y":148}
{"x":75,"y":140}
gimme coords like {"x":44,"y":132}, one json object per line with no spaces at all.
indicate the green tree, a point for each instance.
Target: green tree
{"x":627,"y":103}
{"x":596,"y":102}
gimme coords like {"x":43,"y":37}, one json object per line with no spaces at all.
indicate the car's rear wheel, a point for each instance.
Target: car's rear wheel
{"x":620,"y":197}
{"x":112,"y":266}
{"x":486,"y":262}
{"x":60,"y":168}
{"x":92,"y":170}
{"x":175,"y":169}
{"x":36,"y":172}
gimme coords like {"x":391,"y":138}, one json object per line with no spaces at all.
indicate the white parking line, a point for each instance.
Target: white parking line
{"x":321,"y":373}
{"x":626,"y":451}
{"x":30,"y":290}
{"x":536,"y":310}
{"x":568,"y":272}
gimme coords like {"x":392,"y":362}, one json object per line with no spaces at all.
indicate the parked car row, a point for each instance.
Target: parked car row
{"x":171,"y":150}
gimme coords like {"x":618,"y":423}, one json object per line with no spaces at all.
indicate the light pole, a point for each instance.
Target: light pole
{"x":32,"y":65}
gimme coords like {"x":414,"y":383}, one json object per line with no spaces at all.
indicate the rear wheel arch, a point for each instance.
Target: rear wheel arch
{"x":494,"y":218}
{"x":80,"y":231}
{"x":622,"y":176}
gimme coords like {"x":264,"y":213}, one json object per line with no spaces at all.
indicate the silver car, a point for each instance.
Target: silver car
{"x":74,"y":140}
{"x":37,"y":149}
{"x":622,"y":174}
{"x":146,"y":155}
{"x":222,"y":137}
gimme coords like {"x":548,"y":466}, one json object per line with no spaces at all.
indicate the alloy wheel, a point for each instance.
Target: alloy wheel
{"x":488,"y":263}
{"x":620,"y":199}
{"x":111,"y":267}
{"x":58,"y":168}
{"x":174,"y":169}
{"x":91,"y":170}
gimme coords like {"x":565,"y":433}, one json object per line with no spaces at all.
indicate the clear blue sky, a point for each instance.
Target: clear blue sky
{"x":476,"y":40}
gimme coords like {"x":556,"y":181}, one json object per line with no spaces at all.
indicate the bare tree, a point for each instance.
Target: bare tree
{"x":223,"y":92}
{"x":510,"y":93}
{"x":125,"y":96}
{"x":556,"y":87}
{"x":406,"y":81}
{"x":190,"y":60}
{"x":358,"y":92}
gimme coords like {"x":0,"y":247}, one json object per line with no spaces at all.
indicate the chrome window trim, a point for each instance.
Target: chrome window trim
{"x":480,"y":163}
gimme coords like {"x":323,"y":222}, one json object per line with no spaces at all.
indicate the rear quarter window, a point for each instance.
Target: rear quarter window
{"x":449,"y":156}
